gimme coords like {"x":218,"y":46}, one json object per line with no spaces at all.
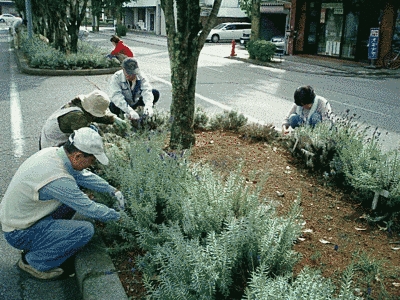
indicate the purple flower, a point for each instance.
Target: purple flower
{"x":133,"y":270}
{"x":336,"y":247}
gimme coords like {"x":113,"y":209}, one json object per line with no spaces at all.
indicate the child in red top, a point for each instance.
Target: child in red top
{"x":121,"y":51}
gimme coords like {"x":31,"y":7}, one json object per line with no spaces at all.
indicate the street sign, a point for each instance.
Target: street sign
{"x":373,"y":43}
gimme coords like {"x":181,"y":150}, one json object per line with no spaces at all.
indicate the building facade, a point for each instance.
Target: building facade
{"x":145,"y":15}
{"x":341,"y":28}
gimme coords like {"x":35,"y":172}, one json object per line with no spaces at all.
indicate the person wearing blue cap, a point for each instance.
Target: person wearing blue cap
{"x":37,"y":208}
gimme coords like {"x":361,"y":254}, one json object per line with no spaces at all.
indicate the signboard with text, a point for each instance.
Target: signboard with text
{"x":373,"y":43}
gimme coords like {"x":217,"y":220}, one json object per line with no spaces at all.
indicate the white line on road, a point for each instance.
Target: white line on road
{"x":216,"y":103}
{"x":17,"y":134}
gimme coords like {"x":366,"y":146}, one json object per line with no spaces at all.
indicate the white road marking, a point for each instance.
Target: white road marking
{"x":216,"y":103}
{"x":17,"y":133}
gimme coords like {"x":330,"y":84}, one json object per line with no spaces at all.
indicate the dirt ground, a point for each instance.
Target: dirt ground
{"x":335,"y":231}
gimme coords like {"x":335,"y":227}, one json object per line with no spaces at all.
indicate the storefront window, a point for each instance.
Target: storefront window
{"x":331,"y":22}
{"x":350,"y":35}
{"x":396,"y":33}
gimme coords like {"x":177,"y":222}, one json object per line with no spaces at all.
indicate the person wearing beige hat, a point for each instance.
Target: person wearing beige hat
{"x":80,"y":112}
{"x":44,"y":194}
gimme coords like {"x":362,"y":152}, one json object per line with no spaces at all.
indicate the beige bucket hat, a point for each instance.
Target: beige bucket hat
{"x":96,"y":103}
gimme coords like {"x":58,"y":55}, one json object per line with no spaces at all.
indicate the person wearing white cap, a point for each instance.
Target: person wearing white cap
{"x":43,"y":196}
{"x":130,"y":89}
{"x":80,"y":112}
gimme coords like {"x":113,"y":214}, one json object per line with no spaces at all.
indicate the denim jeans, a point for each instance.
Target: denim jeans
{"x":49,"y":242}
{"x":295,"y":120}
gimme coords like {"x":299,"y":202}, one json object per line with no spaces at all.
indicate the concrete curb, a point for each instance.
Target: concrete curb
{"x":24,"y":68}
{"x":95,"y":273}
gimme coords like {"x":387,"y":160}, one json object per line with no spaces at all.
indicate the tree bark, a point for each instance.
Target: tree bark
{"x":386,"y":29}
{"x":184,"y":41}
{"x":255,"y":20}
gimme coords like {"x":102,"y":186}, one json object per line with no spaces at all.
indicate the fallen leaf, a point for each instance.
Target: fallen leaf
{"x":324,"y":241}
{"x":396,"y":284}
{"x":395,"y":248}
{"x":301,"y":239}
{"x":360,"y":229}
{"x":309,"y":230}
{"x":280,"y":194}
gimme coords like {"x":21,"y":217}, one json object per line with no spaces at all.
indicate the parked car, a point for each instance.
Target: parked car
{"x":244,"y":39}
{"x":228,"y":31}
{"x":280,"y":43}
{"x":7,"y":18}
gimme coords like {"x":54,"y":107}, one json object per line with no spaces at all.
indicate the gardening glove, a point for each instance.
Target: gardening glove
{"x":120,"y":123}
{"x":285,"y":129}
{"x":133,"y":115}
{"x":148,"y":111}
{"x":121,"y":200}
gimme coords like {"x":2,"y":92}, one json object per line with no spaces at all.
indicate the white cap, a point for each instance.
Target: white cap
{"x":89,"y":141}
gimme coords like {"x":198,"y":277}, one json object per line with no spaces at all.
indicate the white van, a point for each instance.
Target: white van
{"x":228,"y":31}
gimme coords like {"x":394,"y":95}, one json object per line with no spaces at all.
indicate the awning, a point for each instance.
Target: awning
{"x":273,"y":9}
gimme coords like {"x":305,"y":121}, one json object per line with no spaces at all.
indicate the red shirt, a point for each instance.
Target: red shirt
{"x":123,"y":49}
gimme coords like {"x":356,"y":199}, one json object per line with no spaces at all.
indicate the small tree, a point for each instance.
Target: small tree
{"x":186,"y":38}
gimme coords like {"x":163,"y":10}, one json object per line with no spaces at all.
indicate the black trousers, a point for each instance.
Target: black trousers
{"x":115,"y":110}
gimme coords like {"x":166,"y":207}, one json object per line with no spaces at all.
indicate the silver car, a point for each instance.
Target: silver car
{"x":7,"y":18}
{"x":280,"y":43}
{"x":228,"y":31}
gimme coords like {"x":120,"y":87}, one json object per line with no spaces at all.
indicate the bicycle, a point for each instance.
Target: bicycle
{"x":392,"y":59}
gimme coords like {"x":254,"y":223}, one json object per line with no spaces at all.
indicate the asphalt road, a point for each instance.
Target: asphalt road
{"x":265,"y":94}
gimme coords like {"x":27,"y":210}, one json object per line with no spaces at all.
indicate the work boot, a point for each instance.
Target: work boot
{"x":50,"y":274}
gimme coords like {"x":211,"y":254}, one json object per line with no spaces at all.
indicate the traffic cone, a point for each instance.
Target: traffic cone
{"x":233,"y":48}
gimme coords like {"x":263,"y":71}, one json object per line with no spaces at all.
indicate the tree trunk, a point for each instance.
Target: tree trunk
{"x":185,"y":42}
{"x":255,"y":20}
{"x":183,"y":77}
{"x":386,"y":29}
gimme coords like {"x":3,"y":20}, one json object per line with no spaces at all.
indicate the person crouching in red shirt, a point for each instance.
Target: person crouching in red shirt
{"x":121,"y":51}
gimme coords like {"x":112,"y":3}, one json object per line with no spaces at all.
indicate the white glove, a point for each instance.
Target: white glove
{"x":133,"y":115}
{"x":120,"y":198}
{"x":148,"y":111}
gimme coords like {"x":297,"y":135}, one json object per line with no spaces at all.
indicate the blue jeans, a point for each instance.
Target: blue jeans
{"x":49,"y":242}
{"x":295,"y":120}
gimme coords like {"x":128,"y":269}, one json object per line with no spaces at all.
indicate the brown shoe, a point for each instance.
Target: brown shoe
{"x":51,"y":274}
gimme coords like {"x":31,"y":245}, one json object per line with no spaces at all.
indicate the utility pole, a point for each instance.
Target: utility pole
{"x":28,"y":9}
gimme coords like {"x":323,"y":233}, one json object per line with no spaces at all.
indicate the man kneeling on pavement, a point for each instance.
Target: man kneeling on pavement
{"x":43,"y":196}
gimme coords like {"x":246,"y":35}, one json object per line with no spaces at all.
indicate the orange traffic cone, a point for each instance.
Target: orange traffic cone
{"x":233,"y":48}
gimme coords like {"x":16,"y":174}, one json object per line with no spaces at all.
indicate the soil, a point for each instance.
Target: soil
{"x":336,"y":231}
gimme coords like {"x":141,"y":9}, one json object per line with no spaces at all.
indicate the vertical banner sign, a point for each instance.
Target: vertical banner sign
{"x":373,"y":43}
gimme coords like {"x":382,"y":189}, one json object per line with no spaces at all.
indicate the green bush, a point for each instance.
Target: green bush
{"x":43,"y":56}
{"x":121,"y":30}
{"x":202,"y":236}
{"x":350,"y":154}
{"x":261,"y":50}
{"x":228,"y":120}
{"x":259,"y":133}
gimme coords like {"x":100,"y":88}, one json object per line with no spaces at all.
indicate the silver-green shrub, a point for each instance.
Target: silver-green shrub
{"x":198,"y":231}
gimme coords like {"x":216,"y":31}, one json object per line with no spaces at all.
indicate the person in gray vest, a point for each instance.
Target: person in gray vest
{"x":80,"y":112}
{"x":308,"y":109}
{"x":44,"y":194}
{"x":129,"y":89}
